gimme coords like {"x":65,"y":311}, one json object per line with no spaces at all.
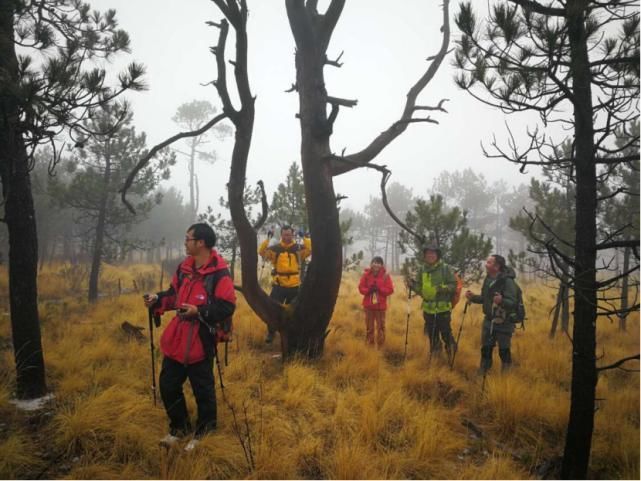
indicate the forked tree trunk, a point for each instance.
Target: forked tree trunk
{"x":303,"y":328}
{"x":20,"y":218}
{"x":306,"y":332}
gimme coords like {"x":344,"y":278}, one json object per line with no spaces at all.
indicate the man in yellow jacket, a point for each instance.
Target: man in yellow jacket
{"x":287,"y":258}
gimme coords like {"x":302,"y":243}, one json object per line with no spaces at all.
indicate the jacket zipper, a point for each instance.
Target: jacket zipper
{"x":191,"y":329}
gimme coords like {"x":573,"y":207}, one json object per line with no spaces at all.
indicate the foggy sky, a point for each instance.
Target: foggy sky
{"x":385,"y":48}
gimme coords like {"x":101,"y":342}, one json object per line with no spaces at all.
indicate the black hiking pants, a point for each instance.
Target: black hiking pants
{"x":282,"y":295}
{"x":439,"y":326}
{"x":201,"y":378}
{"x":491,"y":335}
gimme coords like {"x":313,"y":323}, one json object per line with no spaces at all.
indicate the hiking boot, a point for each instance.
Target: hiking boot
{"x":191,"y":445}
{"x":169,"y":440}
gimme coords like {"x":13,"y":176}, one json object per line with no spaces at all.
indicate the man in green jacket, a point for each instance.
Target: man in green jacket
{"x":436,"y":284}
{"x":499,"y":297}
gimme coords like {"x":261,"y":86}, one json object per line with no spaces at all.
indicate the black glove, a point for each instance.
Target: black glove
{"x":301,"y":233}
{"x":373,"y":289}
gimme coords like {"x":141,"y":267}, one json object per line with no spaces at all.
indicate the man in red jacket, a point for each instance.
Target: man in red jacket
{"x":188,"y":341}
{"x":375,"y":285}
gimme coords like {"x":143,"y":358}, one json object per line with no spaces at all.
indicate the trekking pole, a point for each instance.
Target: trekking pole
{"x":153,"y":358}
{"x":407,"y":323}
{"x":220,"y":371}
{"x":458,"y":336}
{"x":483,"y":384}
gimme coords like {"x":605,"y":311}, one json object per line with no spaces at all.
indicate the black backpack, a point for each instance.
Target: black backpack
{"x":517,"y":315}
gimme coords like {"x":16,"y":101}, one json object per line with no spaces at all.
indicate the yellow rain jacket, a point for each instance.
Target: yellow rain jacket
{"x":286,"y":259}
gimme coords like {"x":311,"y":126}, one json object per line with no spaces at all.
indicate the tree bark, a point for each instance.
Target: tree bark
{"x":565,"y":309}
{"x":557,"y":310}
{"x":317,"y":298}
{"x":96,"y":259}
{"x":578,"y":441}
{"x":624,"y":290}
{"x":21,"y":224}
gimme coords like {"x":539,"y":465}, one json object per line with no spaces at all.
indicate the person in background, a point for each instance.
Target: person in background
{"x":287,"y":258}
{"x":436,"y":284}
{"x":498,"y":296}
{"x":375,"y":285}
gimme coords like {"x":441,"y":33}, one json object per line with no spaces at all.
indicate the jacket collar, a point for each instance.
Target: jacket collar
{"x":214,"y":263}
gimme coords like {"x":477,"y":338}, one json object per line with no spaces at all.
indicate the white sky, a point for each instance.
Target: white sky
{"x":385,"y":43}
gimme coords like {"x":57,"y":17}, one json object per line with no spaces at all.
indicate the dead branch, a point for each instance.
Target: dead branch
{"x":165,"y":143}
{"x":618,"y":363}
{"x":335,"y":63}
{"x":398,"y":127}
{"x":263,"y":202}
{"x":438,"y":107}
{"x":133,"y":331}
{"x":343,"y":102}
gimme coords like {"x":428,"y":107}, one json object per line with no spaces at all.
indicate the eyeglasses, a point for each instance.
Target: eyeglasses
{"x":187,"y":239}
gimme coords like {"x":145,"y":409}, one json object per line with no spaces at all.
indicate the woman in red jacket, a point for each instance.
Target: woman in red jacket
{"x":375,"y":285}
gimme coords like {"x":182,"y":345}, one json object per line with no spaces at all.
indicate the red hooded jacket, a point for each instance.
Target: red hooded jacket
{"x":189,"y":341}
{"x":383,"y":283}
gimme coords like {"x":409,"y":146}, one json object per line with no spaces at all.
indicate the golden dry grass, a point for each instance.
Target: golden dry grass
{"x":357,"y":413}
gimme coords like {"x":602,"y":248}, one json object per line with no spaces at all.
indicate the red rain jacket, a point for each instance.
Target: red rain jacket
{"x":189,"y":341}
{"x":383,"y":282}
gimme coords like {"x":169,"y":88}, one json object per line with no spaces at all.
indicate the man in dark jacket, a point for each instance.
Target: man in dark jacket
{"x":188,"y":341}
{"x":499,"y":297}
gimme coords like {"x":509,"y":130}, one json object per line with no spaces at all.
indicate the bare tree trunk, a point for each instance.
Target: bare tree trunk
{"x":20,"y":218}
{"x":96,"y":259}
{"x":624,"y":290}
{"x":192,"y":180}
{"x":578,"y":441}
{"x":557,"y":309}
{"x":387,"y":236}
{"x":565,"y":309}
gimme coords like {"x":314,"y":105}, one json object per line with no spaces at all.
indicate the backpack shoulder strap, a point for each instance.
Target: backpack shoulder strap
{"x":211,"y":280}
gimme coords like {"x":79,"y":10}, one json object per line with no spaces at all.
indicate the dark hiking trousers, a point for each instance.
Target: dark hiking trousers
{"x":201,"y":378}
{"x":282,"y":295}
{"x":491,"y":335}
{"x":438,"y":326}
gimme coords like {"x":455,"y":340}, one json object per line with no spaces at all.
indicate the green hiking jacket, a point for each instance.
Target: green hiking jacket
{"x":436,"y":284}
{"x":503,"y":283}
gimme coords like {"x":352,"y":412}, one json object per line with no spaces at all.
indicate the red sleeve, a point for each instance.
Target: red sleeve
{"x":225,"y":290}
{"x":168,"y":297}
{"x":363,"y":288}
{"x":387,"y":288}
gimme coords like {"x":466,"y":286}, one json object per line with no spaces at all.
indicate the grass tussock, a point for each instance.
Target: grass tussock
{"x":357,"y":413}
{"x":17,"y":457}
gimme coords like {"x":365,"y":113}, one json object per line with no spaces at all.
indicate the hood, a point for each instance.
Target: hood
{"x":381,"y":272}
{"x":509,"y":272}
